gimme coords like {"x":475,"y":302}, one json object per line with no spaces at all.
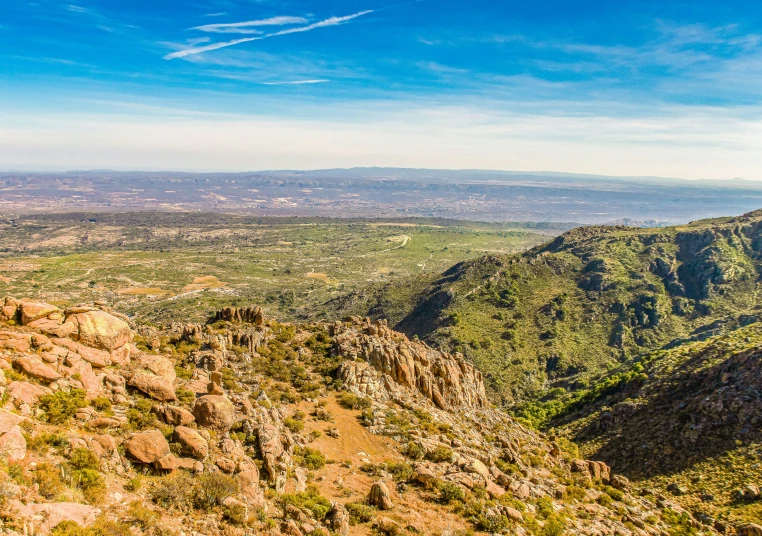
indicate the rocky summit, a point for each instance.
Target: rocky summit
{"x":245,"y":425}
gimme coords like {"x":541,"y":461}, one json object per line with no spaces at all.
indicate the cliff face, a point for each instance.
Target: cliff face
{"x":389,"y":357}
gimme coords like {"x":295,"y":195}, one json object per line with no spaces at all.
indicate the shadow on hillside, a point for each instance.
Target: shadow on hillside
{"x":693,"y":414}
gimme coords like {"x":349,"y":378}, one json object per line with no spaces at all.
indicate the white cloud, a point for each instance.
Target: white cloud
{"x":247,"y":27}
{"x":332,"y":21}
{"x":295,"y":82}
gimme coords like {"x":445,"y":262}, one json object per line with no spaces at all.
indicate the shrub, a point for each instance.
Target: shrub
{"x":491,"y":523}
{"x":133,"y":484}
{"x":84,"y":467}
{"x":235,"y":513}
{"x":140,"y":417}
{"x":48,"y":479}
{"x":185,"y":396}
{"x":349,"y":400}
{"x":401,"y":471}
{"x":309,"y":458}
{"x":213,"y":488}
{"x":84,"y":459}
{"x":439,"y":454}
{"x":414,"y":451}
{"x":101,"y":403}
{"x":59,"y":407}
{"x":545,"y":507}
{"x":142,"y":516}
{"x":174,"y":492}
{"x":294,"y":425}
{"x":360,"y":513}
{"x":451,"y":492}
{"x":44,"y":440}
{"x":554,"y":526}
{"x":311,"y":499}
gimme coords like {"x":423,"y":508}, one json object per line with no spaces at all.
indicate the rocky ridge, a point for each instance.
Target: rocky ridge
{"x":105,"y":420}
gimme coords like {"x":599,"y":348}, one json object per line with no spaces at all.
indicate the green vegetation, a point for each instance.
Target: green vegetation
{"x":60,"y":406}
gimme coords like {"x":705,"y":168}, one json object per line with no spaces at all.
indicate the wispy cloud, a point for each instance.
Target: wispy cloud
{"x":331,"y":21}
{"x":295,"y":82}
{"x":247,"y":27}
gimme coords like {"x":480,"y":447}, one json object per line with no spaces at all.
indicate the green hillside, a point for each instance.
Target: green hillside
{"x":553,"y":320}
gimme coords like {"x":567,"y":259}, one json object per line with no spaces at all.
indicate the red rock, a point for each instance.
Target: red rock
{"x":147,"y":447}
{"x":13,"y":445}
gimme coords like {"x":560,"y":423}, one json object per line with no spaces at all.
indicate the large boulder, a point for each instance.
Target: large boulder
{"x":380,"y":497}
{"x":248,"y":479}
{"x":160,"y":366}
{"x":338,"y":517}
{"x":175,"y":415}
{"x":100,"y":329}
{"x":33,"y":366}
{"x":26,"y":393}
{"x":192,"y":443}
{"x":157,"y":387}
{"x":214,"y":411}
{"x":31,"y":311}
{"x":147,"y":447}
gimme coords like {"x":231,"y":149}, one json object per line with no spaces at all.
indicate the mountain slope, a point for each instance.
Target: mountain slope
{"x":555,"y":318}
{"x":690,"y":416}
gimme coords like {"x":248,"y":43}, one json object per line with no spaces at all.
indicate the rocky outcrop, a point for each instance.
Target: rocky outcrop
{"x":445,"y":379}
{"x":251,"y":315}
{"x":147,"y":447}
{"x":192,"y":443}
{"x":380,"y":497}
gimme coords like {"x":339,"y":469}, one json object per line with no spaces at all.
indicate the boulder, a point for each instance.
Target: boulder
{"x":380,"y":497}
{"x":20,"y":342}
{"x":424,"y":475}
{"x":160,"y":366}
{"x":175,"y":415}
{"x":157,"y":387}
{"x":34,"y":367}
{"x":192,"y":443}
{"x":13,"y":445}
{"x":215,"y":412}
{"x":100,"y":329}
{"x":248,"y":479}
{"x":8,"y":420}
{"x":31,"y":311}
{"x":26,"y":393}
{"x":147,"y":447}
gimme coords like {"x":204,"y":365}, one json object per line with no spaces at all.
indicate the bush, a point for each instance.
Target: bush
{"x":309,"y":458}
{"x":141,"y":516}
{"x":311,"y":499}
{"x":85,"y":474}
{"x":235,"y":513}
{"x":140,"y":417}
{"x":59,"y":407}
{"x":43,"y":441}
{"x":101,"y":403}
{"x":213,"y":488}
{"x":84,"y":459}
{"x":133,"y":484}
{"x":349,"y":400}
{"x":401,"y":471}
{"x":185,"y":396}
{"x":554,"y":526}
{"x":174,"y":492}
{"x":294,"y":425}
{"x":451,"y":492}
{"x":439,"y":455}
{"x":491,"y":523}
{"x":414,"y":451}
{"x":360,"y":513}
{"x":48,"y":478}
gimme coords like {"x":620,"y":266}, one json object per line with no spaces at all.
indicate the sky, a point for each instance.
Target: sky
{"x":631,"y":88}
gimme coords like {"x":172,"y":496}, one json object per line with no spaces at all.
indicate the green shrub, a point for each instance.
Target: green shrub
{"x":101,"y":403}
{"x":349,"y":400}
{"x":491,"y":523}
{"x":360,"y":513}
{"x":555,"y":525}
{"x":174,"y":492}
{"x":545,"y":507}
{"x":414,"y":451}
{"x":439,"y":454}
{"x":451,"y":492}
{"x":133,"y":484}
{"x":43,"y":441}
{"x":141,"y":516}
{"x":48,"y":479}
{"x":309,"y":458}
{"x":294,"y":425}
{"x":185,"y":396}
{"x":141,"y":417}
{"x":213,"y":488}
{"x":84,"y":459}
{"x":311,"y":499}
{"x":59,"y":407}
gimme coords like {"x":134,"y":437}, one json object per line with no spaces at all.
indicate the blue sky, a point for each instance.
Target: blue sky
{"x":627,"y":88}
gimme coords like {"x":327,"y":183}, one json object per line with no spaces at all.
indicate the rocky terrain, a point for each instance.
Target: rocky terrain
{"x":245,"y":425}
